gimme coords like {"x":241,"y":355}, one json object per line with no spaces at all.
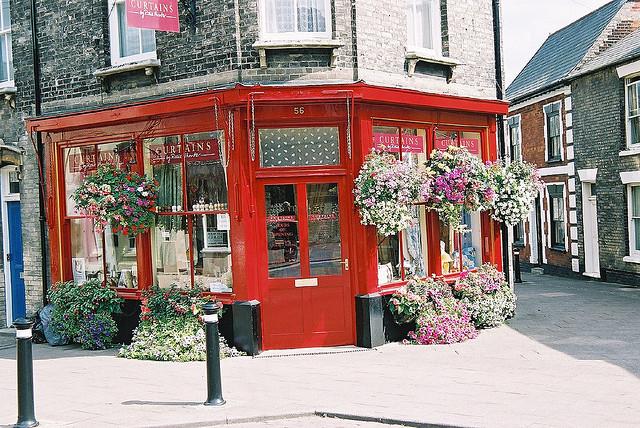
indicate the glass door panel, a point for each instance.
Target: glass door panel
{"x":283,"y":240}
{"x":325,"y":247}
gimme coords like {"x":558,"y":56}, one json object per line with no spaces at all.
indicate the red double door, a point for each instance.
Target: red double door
{"x":305,"y":284}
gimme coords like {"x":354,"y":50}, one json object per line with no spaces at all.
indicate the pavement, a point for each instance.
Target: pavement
{"x":570,"y":358}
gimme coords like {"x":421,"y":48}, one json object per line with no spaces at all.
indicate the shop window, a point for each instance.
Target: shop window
{"x":557,"y":217}
{"x":404,"y":254}
{"x":299,"y":147}
{"x":553,"y":131}
{"x":633,"y":112}
{"x":128,"y":44}
{"x":6,"y":60}
{"x":295,"y":19}
{"x":472,"y":141}
{"x":515,"y":137}
{"x":423,"y":26}
{"x":461,"y":250}
{"x":104,"y":255}
{"x":190,"y":241}
{"x":634,"y":220}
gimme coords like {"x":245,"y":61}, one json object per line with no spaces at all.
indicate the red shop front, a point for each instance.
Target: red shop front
{"x":256,"y":205}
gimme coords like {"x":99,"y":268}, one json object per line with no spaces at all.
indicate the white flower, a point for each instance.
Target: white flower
{"x":140,"y":189}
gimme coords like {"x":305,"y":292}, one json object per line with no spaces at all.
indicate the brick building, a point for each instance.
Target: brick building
{"x":543,"y":130}
{"x":605,"y":92}
{"x":242,"y":84}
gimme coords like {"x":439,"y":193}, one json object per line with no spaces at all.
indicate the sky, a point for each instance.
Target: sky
{"x":528,"y":23}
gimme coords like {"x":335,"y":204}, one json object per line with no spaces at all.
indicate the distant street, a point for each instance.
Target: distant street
{"x":570,"y":358}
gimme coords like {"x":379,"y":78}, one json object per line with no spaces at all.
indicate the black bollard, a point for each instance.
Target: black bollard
{"x":516,"y":266}
{"x":214,"y":380}
{"x":24,"y":356}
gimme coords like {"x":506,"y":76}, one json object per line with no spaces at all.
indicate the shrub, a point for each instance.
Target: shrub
{"x":171,"y":328}
{"x":487,"y":296}
{"x":439,"y":317}
{"x":82,"y":312}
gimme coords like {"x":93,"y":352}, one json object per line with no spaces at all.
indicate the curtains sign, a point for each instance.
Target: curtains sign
{"x":161,"y":15}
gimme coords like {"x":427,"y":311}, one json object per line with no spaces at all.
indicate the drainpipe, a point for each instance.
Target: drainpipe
{"x":37,"y":99}
{"x":497,"y":46}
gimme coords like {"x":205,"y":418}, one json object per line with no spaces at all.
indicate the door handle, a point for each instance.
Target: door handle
{"x":8,"y":257}
{"x":345,"y":263}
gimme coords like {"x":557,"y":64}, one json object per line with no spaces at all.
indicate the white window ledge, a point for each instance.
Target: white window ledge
{"x":630,"y":152}
{"x":631,"y":259}
{"x":147,"y":64}
{"x":264,"y":46}
{"x":413,"y":57}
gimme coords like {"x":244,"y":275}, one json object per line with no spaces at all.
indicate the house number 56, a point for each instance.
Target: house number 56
{"x":298,"y":110}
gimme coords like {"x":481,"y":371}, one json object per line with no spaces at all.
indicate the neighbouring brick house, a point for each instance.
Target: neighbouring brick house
{"x":606,"y":94}
{"x":282,"y":100}
{"x":542,"y":130}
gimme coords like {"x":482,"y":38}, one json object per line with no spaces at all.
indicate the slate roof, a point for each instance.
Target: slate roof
{"x":626,"y":49}
{"x":561,"y":52}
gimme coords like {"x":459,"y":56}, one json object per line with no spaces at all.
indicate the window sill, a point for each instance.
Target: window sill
{"x":554,"y":160}
{"x":414,"y":56}
{"x":147,"y":64}
{"x":630,"y":152}
{"x":559,"y":249}
{"x":631,"y":259}
{"x":264,"y":45}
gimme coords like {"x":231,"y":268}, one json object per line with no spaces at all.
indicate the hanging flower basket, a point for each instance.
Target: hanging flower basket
{"x":118,"y":199}
{"x":517,"y":187}
{"x":384,"y":190}
{"x":456,"y":180}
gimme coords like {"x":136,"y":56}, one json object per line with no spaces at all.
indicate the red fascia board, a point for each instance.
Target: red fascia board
{"x":240,"y":94}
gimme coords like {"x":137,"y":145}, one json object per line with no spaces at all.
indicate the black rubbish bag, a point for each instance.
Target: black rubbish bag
{"x":53,"y":336}
{"x":38,"y":330}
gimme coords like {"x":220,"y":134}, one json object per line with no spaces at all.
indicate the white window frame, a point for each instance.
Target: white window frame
{"x":633,"y":253}
{"x":548,"y":217}
{"x":295,"y":35}
{"x":546,"y":139}
{"x":627,"y":117}
{"x":114,"y":40}
{"x":11,"y":82}
{"x":436,"y":31}
{"x":517,"y":118}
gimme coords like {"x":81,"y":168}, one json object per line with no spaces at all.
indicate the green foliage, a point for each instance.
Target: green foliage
{"x":81,"y":312}
{"x":163,"y":304}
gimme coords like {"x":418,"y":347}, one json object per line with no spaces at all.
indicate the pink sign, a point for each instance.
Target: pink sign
{"x":159,"y":15}
{"x":472,"y":144}
{"x":390,"y":142}
{"x":194,"y":151}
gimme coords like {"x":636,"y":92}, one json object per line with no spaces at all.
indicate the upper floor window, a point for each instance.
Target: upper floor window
{"x":633,"y":111}
{"x":423,"y":25}
{"x":553,"y":131}
{"x":515,"y":137}
{"x":6,"y":63}
{"x":128,"y":44}
{"x":296,"y":19}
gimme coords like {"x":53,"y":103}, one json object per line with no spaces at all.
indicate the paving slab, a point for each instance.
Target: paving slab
{"x":569,"y":358}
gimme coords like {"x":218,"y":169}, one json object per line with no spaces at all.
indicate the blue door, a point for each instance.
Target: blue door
{"x":14,"y":257}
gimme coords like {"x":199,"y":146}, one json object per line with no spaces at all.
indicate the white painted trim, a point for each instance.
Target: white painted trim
{"x":633,"y":253}
{"x":591,"y":237}
{"x":588,"y":175}
{"x":631,"y":259}
{"x":114,"y":42}
{"x":7,"y":197}
{"x":630,"y":177}
{"x":302,"y":35}
{"x":631,"y":152}
{"x":556,"y":170}
{"x":627,"y":85}
{"x":546,"y":143}
{"x":595,"y":275}
{"x":628,"y":69}
{"x":535,"y":100}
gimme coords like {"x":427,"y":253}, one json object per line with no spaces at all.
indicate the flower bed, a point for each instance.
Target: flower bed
{"x":171,"y":328}
{"x":83,"y":313}
{"x":442,"y":313}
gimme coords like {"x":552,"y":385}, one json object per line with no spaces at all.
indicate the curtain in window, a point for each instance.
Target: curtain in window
{"x":421,"y":16}
{"x":554,"y":125}
{"x":414,"y":261}
{"x":4,"y":61}
{"x":279,"y":16}
{"x":133,"y":41}
{"x":311,"y":16}
{"x":169,"y":194}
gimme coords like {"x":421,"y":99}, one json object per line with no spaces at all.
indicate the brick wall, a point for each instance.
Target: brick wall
{"x":599,"y":139}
